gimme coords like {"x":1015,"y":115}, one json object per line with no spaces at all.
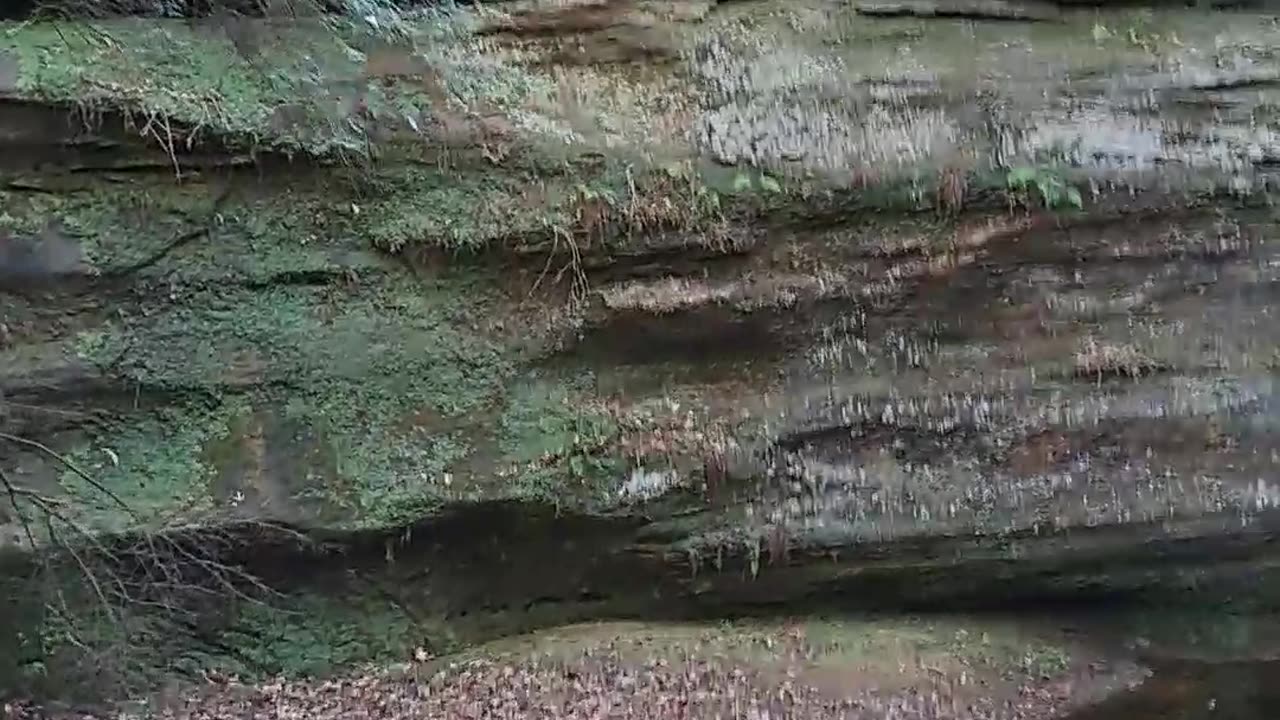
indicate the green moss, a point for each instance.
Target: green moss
{"x":399,"y":458}
{"x":192,"y":77}
{"x":312,"y":635}
{"x":405,"y":335}
{"x":555,"y":448}
{"x":151,"y":463}
{"x":389,"y":470}
{"x":286,"y":232}
{"x":384,"y":376}
{"x":460,"y":212}
{"x":114,"y":227}
{"x":333,"y":222}
{"x":608,"y":205}
{"x":189,"y":233}
{"x":297,"y":86}
{"x":303,"y":634}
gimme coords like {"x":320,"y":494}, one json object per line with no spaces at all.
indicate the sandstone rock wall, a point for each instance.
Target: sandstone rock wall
{"x":867,"y":305}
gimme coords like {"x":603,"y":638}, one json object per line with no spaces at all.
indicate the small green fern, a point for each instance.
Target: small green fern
{"x":1052,"y":189}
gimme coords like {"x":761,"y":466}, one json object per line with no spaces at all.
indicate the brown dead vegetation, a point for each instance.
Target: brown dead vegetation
{"x":1102,"y":359}
{"x":568,"y":18}
{"x":953,"y":187}
{"x":595,"y":33}
{"x":631,"y":44}
{"x":1040,"y":453}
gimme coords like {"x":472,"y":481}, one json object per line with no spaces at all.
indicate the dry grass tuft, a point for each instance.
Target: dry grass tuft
{"x":1102,"y":359}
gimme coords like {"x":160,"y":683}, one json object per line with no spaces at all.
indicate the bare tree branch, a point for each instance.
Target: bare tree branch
{"x":72,"y":467}
{"x":171,"y":576}
{"x":13,"y":493}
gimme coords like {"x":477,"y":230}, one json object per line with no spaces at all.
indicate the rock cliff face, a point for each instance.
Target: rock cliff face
{"x":779,"y":301}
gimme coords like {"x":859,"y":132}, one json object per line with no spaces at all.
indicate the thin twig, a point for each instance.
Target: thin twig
{"x":89,"y":574}
{"x":13,"y":493}
{"x":71,"y":466}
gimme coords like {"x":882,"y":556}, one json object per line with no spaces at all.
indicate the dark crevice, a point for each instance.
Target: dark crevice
{"x":304,"y":278}
{"x":51,"y":137}
{"x":114,"y":287}
{"x":187,"y":162}
{"x":966,"y":570}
